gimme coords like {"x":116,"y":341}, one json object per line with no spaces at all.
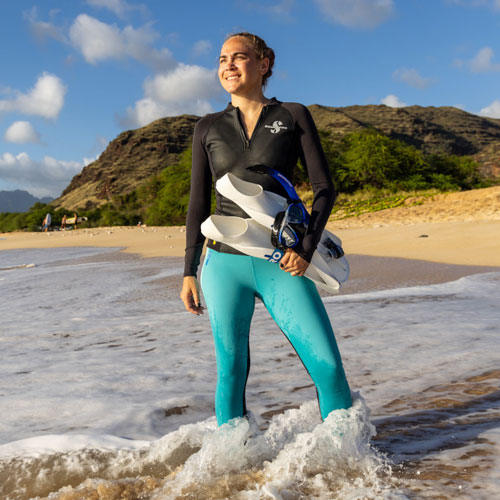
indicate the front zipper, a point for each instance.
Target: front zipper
{"x":247,"y":143}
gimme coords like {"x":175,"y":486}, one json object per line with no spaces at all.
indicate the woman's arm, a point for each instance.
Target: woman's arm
{"x":198,"y":211}
{"x":313,"y":158}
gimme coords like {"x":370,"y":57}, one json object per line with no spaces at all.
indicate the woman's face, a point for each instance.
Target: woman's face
{"x":240,"y":72}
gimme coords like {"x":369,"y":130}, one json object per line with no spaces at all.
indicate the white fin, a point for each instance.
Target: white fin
{"x":262,"y":206}
{"x":251,"y":238}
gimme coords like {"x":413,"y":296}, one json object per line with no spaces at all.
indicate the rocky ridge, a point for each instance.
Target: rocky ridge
{"x":136,"y":155}
{"x":130,"y":159}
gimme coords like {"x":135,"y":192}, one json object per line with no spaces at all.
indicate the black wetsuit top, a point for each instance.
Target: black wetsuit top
{"x":284,"y":133}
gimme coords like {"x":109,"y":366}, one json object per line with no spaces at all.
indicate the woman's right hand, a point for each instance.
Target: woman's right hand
{"x":190,"y":295}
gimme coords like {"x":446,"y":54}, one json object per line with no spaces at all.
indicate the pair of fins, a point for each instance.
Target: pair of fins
{"x":328,"y":267}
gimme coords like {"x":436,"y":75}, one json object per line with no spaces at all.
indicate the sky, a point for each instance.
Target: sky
{"x":74,"y":74}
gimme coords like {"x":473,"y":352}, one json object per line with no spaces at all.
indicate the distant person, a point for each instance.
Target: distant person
{"x":46,"y":222}
{"x":255,"y":130}
{"x":76,"y":220}
{"x":63,"y":222}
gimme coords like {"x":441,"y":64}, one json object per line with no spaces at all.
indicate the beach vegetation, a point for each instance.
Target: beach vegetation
{"x":374,"y":172}
{"x":30,"y":220}
{"x":371,"y":171}
{"x":368,"y":159}
{"x":171,"y":199}
{"x":161,"y":201}
{"x":374,"y":200}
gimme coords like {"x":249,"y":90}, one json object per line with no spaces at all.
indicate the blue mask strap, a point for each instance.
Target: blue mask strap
{"x":287,"y":185}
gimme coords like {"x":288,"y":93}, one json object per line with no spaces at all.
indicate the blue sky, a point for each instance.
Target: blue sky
{"x":74,"y":74}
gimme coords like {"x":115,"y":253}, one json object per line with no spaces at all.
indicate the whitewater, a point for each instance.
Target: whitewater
{"x":107,"y":388}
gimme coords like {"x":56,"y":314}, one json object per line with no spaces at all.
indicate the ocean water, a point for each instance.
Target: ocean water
{"x":107,"y":391}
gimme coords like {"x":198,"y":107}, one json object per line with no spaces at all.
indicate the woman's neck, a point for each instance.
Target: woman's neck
{"x":249,"y":104}
{"x":250,"y":109}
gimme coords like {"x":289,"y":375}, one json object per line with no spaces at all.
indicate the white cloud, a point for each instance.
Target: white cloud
{"x":44,"y":29}
{"x":119,"y":7}
{"x":147,"y":110}
{"x":186,"y":89}
{"x":482,"y":63}
{"x":202,"y":47}
{"x":185,"y":82}
{"x":47,"y":177}
{"x":22,"y":132}
{"x":411,"y":77}
{"x":493,"y":110}
{"x":98,"y":41}
{"x":174,"y":89}
{"x":45,"y":99}
{"x":356,"y":13}
{"x":393,"y":101}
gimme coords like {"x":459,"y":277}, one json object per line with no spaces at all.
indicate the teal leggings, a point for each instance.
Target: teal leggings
{"x":230,"y":284}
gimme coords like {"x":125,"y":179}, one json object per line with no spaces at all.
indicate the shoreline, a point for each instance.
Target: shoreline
{"x":372,"y":273}
{"x":466,"y":243}
{"x":368,"y":273}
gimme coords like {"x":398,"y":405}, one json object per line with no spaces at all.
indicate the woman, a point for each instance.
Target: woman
{"x":255,"y":130}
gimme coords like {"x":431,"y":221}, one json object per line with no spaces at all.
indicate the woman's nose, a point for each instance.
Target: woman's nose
{"x":229,"y":64}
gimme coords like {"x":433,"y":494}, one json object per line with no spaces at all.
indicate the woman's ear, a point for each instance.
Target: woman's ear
{"x":264,"y":65}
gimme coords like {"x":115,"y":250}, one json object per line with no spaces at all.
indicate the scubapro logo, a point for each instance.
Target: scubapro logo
{"x":276,"y":256}
{"x":276,"y":127}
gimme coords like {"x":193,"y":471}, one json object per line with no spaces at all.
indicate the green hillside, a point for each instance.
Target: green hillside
{"x":371,"y":170}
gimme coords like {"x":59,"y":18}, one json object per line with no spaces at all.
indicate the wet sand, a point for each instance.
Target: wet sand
{"x":370,"y":273}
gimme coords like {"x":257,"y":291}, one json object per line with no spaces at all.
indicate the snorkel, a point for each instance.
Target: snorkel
{"x":290,"y":225}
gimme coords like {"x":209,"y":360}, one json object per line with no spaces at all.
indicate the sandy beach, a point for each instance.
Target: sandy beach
{"x":456,"y":228}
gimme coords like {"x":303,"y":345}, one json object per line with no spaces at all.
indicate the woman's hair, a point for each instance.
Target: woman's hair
{"x":261,"y":50}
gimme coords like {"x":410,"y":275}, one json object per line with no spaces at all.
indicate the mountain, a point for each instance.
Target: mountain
{"x":19,"y":201}
{"x":134,"y":156}
{"x":138,"y":154}
{"x":431,"y":129}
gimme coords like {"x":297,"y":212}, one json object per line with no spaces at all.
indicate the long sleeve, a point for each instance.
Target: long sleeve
{"x":313,"y":157}
{"x":199,"y":201}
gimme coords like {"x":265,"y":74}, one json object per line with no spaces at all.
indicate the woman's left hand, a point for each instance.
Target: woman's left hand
{"x":293,"y":263}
